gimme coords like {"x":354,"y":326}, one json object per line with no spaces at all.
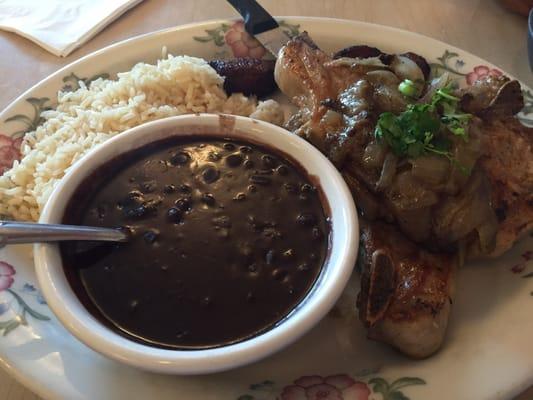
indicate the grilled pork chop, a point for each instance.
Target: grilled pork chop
{"x":408,"y":264}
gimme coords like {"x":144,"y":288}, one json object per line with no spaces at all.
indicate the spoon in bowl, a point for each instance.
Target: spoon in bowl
{"x":12,"y":232}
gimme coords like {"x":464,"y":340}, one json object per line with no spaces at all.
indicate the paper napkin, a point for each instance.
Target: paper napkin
{"x":60,"y":26}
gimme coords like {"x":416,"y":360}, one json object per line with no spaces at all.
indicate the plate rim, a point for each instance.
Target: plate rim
{"x":39,"y":387}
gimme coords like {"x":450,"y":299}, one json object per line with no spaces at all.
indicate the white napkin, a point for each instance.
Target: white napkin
{"x":60,"y":26}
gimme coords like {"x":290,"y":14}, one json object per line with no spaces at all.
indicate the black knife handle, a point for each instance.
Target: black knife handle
{"x":256,"y":18}
{"x":530,"y":39}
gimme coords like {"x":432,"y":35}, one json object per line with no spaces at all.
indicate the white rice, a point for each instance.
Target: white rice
{"x":91,"y":115}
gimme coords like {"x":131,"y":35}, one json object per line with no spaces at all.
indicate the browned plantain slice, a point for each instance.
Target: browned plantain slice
{"x":249,"y":76}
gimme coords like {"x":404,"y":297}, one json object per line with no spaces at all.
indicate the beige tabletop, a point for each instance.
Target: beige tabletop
{"x":482,"y":27}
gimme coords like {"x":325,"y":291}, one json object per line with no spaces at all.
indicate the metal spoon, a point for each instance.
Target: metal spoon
{"x":12,"y":232}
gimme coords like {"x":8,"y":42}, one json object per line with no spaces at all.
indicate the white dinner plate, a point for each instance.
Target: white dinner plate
{"x":488,"y":351}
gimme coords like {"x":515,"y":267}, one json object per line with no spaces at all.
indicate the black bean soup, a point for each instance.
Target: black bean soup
{"x":227,"y":238}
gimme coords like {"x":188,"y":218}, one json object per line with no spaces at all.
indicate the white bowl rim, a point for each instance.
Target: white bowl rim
{"x":86,"y":328}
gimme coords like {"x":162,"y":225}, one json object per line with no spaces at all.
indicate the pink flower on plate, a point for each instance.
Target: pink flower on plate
{"x":241,"y":43}
{"x":334,"y":387}
{"x":6,"y":275}
{"x":480,"y":71}
{"x":9,"y":152}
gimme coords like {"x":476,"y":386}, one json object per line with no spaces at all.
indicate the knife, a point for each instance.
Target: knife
{"x":261,"y":25}
{"x":530,"y":39}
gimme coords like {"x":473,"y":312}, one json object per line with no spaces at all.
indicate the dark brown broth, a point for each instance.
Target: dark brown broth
{"x":228,"y":237}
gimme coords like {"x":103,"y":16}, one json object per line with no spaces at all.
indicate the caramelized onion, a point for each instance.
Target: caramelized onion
{"x":387,"y":172}
{"x":458,"y":216}
{"x":374,"y":155}
{"x":431,"y":169}
{"x":406,"y":193}
{"x":405,"y":68}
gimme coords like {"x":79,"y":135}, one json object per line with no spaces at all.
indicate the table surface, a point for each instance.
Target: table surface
{"x":482,"y":27}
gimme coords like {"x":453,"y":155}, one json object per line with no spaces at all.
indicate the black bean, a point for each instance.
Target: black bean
{"x":149,"y":186}
{"x":252,"y":268}
{"x":229,"y":146}
{"x":135,"y":194}
{"x":169,"y":189}
{"x":306,"y":188}
{"x":282,"y":170}
{"x":240,"y":197}
{"x":185,"y":188}
{"x":268,"y":161}
{"x":222,"y":222}
{"x":248,"y":164}
{"x":288,"y":254}
{"x":252,"y":188}
{"x":180,"y":158}
{"x":173,"y":214}
{"x":278,"y":274}
{"x":260,"y":180}
{"x":150,"y":236}
{"x":184,"y":204}
{"x":245,"y":149}
{"x":137,"y":212}
{"x":208,"y":199}
{"x":234,"y":160}
{"x":316,"y":233}
{"x":306,"y":219}
{"x":303,"y":267}
{"x":214,"y":156}
{"x":290,"y":188}
{"x":210,"y":174}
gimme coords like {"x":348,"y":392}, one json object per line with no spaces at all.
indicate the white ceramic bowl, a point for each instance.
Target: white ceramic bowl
{"x":326,"y":290}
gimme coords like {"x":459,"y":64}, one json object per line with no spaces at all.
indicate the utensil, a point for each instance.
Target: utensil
{"x":260,"y":24}
{"x":12,"y":232}
{"x":530,"y":39}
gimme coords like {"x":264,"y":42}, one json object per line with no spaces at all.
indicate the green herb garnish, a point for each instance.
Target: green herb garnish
{"x":423,"y":128}
{"x":409,"y":89}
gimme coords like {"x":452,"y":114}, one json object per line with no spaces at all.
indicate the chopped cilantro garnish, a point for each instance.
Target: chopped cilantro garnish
{"x":422,"y":128}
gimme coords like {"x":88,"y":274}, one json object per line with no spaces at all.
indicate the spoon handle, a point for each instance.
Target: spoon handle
{"x":12,"y":232}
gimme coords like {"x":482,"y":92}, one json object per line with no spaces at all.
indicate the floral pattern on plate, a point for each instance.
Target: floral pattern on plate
{"x":12,"y":302}
{"x":239,"y":41}
{"x":450,"y":62}
{"x":333,"y":387}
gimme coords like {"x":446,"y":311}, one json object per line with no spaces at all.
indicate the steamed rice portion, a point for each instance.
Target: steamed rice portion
{"x":91,"y":115}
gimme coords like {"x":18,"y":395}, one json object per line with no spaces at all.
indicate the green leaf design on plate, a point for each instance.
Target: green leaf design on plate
{"x":72,"y":81}
{"x":397,"y":396}
{"x":289,"y":29}
{"x":13,"y":324}
{"x":27,"y":308}
{"x":392,"y":391}
{"x":444,"y":64}
{"x":214,"y":35}
{"x":379,"y":385}
{"x":406,"y":381}
{"x":39,"y":105}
